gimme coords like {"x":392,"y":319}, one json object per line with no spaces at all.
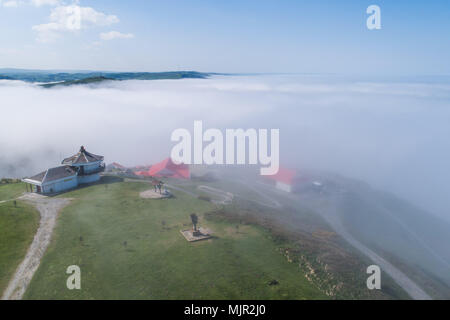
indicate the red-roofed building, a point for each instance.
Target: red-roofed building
{"x":167,"y":168}
{"x":284,"y":179}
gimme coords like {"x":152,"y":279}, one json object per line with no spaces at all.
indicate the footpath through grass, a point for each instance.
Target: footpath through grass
{"x":131,"y":248}
{"x":18,"y":225}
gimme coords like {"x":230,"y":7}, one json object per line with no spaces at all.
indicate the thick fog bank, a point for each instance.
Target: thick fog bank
{"x":393,"y":134}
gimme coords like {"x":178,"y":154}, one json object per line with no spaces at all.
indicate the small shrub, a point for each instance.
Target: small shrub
{"x":204,"y":198}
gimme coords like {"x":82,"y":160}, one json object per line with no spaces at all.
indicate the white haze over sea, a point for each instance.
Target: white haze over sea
{"x":392,"y":133}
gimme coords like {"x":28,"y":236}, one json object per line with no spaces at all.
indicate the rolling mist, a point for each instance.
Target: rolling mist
{"x":391,"y":133}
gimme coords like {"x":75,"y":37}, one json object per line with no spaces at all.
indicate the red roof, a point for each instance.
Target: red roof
{"x":167,"y":168}
{"x":283,"y":175}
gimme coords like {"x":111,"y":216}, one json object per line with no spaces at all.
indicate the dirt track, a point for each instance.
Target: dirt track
{"x":48,"y":209}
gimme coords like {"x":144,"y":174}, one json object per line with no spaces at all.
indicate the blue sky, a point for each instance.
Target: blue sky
{"x":228,"y":36}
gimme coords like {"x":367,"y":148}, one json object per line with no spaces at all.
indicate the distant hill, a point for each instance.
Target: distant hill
{"x":16,"y":70}
{"x":91,"y":80}
{"x":50,"y":79}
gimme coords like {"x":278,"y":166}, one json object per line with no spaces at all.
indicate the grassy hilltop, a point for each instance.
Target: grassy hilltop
{"x":131,"y":248}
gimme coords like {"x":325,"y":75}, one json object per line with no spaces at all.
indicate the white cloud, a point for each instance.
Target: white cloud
{"x":39,"y":3}
{"x":36,"y":3}
{"x":70,"y":19}
{"x":10,"y":3}
{"x":115,"y":35}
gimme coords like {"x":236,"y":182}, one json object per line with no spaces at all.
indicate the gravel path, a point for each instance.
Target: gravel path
{"x":48,"y":209}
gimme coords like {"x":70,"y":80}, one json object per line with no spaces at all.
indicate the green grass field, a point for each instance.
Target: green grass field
{"x":11,"y":190}
{"x":131,"y":248}
{"x":18,"y":224}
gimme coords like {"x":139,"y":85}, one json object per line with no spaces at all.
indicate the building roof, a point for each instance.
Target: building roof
{"x":167,"y":168}
{"x":115,"y":165}
{"x":82,"y":157}
{"x":118,"y":165}
{"x":284,"y":175}
{"x":54,"y":174}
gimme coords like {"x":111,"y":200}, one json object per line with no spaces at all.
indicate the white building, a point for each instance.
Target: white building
{"x":81,"y":168}
{"x":53,"y":180}
{"x":88,"y":165}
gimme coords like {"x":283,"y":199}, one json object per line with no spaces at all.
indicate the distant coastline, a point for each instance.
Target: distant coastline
{"x":49,"y":79}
